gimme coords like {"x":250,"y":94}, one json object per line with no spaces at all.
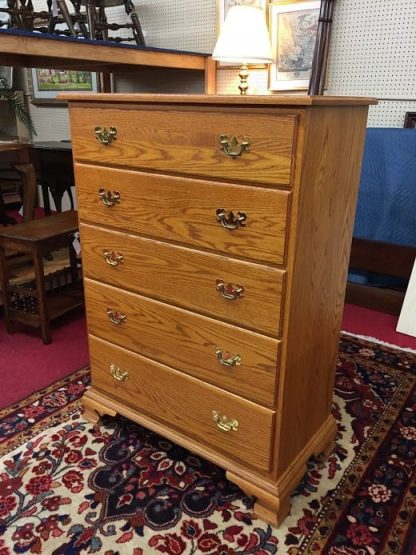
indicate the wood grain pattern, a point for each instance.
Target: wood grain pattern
{"x":184,"y":402}
{"x":186,"y":277}
{"x":178,"y":303}
{"x":184,"y":210}
{"x":175,"y":142}
{"x":275,"y":100}
{"x":210,"y":85}
{"x":57,"y":225}
{"x":186,"y":341}
{"x":33,"y":50}
{"x":317,"y":283}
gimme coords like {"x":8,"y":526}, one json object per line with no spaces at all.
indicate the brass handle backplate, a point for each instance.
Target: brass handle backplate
{"x":109,"y":198}
{"x":228,"y":290}
{"x":229,"y":221}
{"x":116,"y":317}
{"x":113,"y":258}
{"x":225,"y":424}
{"x":105,"y":136}
{"x":232,"y":146}
{"x":228,"y":361}
{"x":118,"y":374}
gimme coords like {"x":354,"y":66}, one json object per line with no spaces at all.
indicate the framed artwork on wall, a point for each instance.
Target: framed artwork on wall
{"x":46,"y":84}
{"x":293,"y":28}
{"x":223,"y":6}
{"x":6,"y":72}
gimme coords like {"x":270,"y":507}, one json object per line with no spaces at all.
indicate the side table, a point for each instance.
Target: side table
{"x":38,"y":238}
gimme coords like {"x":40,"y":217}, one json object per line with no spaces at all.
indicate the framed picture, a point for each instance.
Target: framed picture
{"x":46,"y":84}
{"x":293,"y":27}
{"x":410,"y":120}
{"x":6,"y":72}
{"x":223,"y":7}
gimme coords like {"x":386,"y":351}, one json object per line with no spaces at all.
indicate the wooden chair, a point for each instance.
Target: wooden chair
{"x":11,"y":189}
{"x":92,"y":23}
{"x":99,"y":26}
{"x":16,"y":165}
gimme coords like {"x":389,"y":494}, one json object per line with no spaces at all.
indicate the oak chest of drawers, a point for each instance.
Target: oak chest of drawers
{"x":215,"y":239}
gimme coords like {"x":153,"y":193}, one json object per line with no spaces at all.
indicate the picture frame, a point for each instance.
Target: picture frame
{"x":222,"y":9}
{"x":45,"y":84}
{"x":410,"y":120}
{"x":6,"y":72}
{"x":293,"y":30}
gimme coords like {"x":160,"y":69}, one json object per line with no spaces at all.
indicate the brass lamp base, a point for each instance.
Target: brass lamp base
{"x":243,"y":86}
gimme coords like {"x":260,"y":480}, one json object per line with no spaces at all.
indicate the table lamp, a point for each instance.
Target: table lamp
{"x":244,"y":39}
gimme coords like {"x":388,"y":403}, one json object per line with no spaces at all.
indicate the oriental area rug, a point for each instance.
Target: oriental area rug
{"x":67,"y":487}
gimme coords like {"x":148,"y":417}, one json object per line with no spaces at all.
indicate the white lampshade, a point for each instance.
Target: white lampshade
{"x":244,"y":37}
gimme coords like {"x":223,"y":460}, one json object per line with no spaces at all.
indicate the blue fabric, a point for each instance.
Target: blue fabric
{"x":46,"y":36}
{"x":386,"y":208}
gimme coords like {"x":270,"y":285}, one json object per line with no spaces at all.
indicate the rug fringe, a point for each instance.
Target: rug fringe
{"x":379,"y":341}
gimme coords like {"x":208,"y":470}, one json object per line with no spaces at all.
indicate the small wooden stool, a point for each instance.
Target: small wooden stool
{"x":39,"y":238}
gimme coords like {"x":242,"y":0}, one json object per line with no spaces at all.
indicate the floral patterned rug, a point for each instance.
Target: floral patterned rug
{"x":67,"y":488}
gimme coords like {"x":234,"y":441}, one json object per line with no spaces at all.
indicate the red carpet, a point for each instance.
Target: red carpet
{"x":28,"y":365}
{"x":371,"y":323}
{"x":67,"y":488}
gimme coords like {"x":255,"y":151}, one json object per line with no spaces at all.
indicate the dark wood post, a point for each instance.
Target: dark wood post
{"x":320,"y":55}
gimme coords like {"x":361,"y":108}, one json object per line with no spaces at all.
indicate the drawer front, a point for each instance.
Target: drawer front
{"x":185,"y":210}
{"x":184,"y":403}
{"x":186,"y":277}
{"x":188,"y":142}
{"x":186,"y":341}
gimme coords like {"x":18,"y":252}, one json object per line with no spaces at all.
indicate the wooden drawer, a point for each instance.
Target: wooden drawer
{"x":184,"y":403}
{"x":179,"y":141}
{"x":186,"y":277}
{"x":185,"y":341}
{"x":184,"y":210}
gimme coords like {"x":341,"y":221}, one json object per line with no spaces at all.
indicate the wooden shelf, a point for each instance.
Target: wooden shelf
{"x":25,"y":49}
{"x":57,"y":305}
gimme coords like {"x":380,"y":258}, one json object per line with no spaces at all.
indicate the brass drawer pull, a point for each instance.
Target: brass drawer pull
{"x":105,"y":136}
{"x":225,"y":424}
{"x":113,"y":258}
{"x":230,"y":361}
{"x":110,"y":198}
{"x":234,"y":147}
{"x":229,"y":291}
{"x":118,"y":374}
{"x":230,"y":221}
{"x":116,"y":317}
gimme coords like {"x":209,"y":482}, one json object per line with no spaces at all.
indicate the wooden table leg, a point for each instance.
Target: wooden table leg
{"x":29,"y":189}
{"x":210,"y":76}
{"x":41,"y":293}
{"x":4,"y":281}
